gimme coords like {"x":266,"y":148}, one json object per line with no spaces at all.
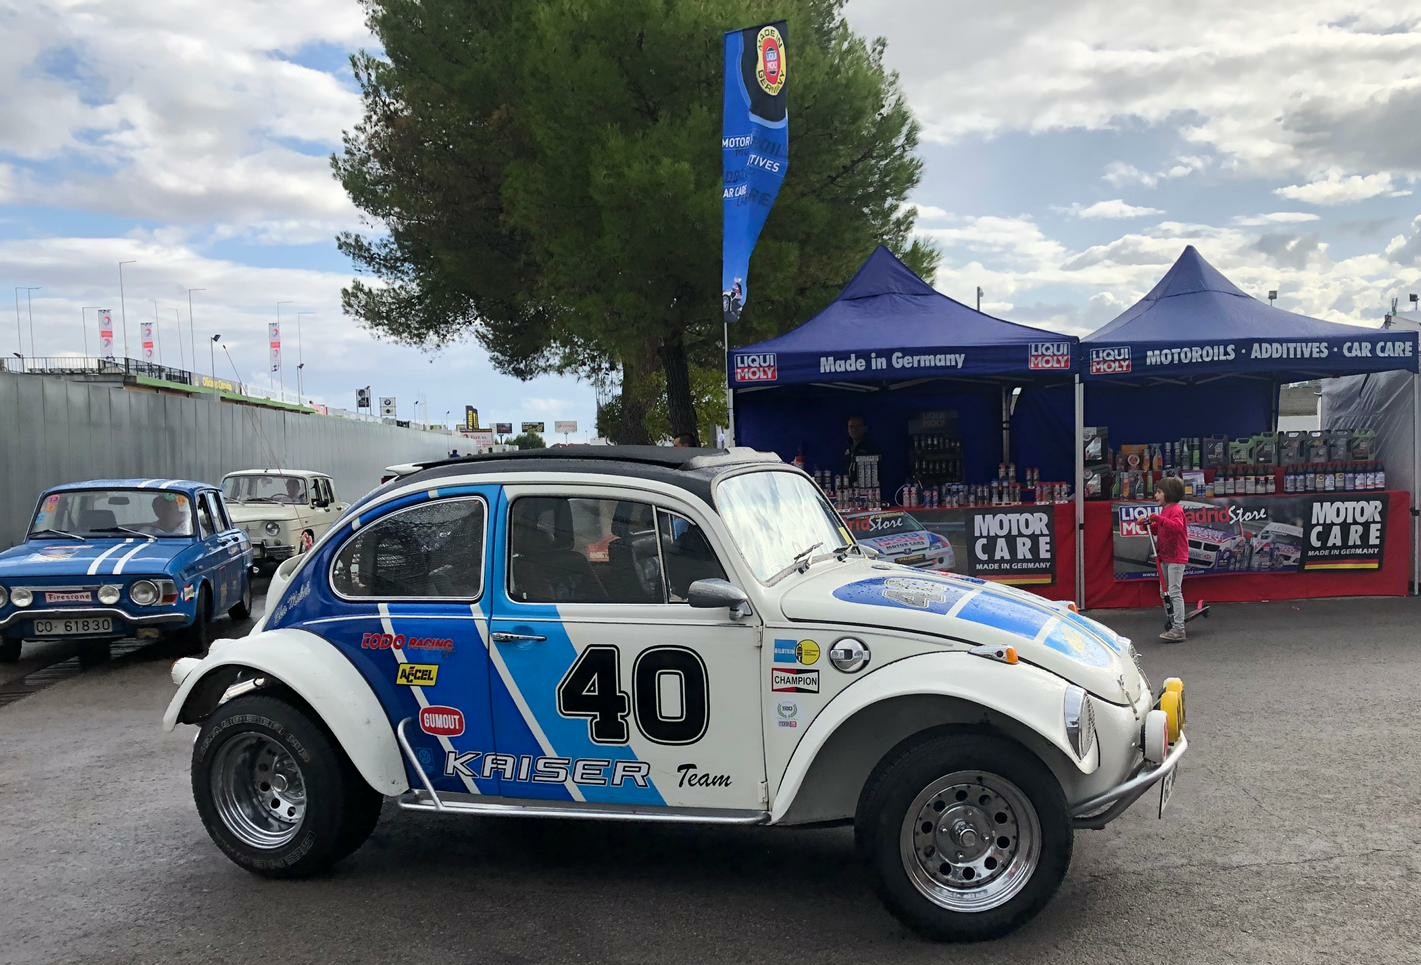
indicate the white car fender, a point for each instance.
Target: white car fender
{"x":324,"y":679}
{"x":1029,"y":695}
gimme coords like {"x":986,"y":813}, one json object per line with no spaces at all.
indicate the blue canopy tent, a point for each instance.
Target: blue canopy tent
{"x":888,"y":348}
{"x":1196,"y":356}
{"x":1199,"y":356}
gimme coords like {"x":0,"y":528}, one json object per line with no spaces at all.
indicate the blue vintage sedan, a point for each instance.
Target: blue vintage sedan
{"x":115,"y":558}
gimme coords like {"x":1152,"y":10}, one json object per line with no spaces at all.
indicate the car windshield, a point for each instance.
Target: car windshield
{"x":264,"y":488}
{"x":775,"y":517}
{"x":870,"y":525}
{"x":113,"y":512}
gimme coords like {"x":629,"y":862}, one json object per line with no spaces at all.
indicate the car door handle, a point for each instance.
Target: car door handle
{"x":500,"y":637}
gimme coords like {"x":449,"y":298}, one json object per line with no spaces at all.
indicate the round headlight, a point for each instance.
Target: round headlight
{"x":21,"y":597}
{"x":144,"y":593}
{"x":3,"y":596}
{"x":273,"y":529}
{"x":108,"y":594}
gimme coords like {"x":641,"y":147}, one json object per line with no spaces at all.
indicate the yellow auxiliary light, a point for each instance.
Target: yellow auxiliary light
{"x":1176,"y":686}
{"x":1170,"y":702}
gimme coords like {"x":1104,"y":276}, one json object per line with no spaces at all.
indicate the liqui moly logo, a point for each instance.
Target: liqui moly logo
{"x":1135,"y":520}
{"x":1110,"y":361}
{"x":439,"y":721}
{"x":756,"y":367}
{"x":1049,"y":356}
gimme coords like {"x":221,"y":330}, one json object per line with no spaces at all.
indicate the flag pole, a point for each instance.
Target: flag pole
{"x":729,"y":392}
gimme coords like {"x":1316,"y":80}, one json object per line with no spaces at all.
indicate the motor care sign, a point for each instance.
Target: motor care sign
{"x":1260,"y":534}
{"x":1016,"y":545}
{"x":1371,"y":352}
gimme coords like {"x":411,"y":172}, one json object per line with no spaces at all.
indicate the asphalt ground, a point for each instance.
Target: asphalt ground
{"x":1293,"y":836}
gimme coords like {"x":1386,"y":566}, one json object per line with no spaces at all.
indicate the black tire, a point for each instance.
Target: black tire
{"x":242,"y":609}
{"x":338,"y":804}
{"x":196,"y":637}
{"x":908,"y":771}
{"x":94,"y":654}
{"x":9,"y":651}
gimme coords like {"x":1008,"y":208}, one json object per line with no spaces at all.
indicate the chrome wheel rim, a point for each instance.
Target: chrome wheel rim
{"x":259,"y":791}
{"x":970,"y":841}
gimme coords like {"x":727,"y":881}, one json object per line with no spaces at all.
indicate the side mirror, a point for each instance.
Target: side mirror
{"x":869,"y":551}
{"x":711,"y":594}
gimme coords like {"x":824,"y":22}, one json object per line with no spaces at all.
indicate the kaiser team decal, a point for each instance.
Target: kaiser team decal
{"x":417,"y":674}
{"x":801,"y":651}
{"x":794,"y":681}
{"x":526,"y":768}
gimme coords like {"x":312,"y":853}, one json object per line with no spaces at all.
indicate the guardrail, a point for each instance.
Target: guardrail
{"x":92,"y":367}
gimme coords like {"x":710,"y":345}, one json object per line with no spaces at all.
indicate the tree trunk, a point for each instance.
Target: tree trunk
{"x":631,"y":427}
{"x":680,"y":403}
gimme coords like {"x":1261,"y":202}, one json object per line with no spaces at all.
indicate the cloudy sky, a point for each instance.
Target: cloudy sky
{"x":1072,"y":150}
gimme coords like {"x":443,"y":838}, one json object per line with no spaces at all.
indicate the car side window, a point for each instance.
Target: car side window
{"x":433,"y":551}
{"x":581,"y":550}
{"x":219,"y":512}
{"x":686,"y":555}
{"x":323,"y":492}
{"x":206,"y":523}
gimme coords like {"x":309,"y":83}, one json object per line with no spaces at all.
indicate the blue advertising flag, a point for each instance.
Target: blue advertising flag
{"x":754,"y":148}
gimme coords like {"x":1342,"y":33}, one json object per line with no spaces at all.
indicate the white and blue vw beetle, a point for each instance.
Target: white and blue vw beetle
{"x":669,"y":635}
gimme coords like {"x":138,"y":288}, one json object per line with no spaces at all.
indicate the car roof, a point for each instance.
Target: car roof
{"x":179,"y":485}
{"x":690,"y":469}
{"x":309,"y":473}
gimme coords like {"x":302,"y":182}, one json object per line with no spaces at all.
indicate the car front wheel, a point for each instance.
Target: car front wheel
{"x":242,"y":609}
{"x":274,"y":792}
{"x":968,"y":835}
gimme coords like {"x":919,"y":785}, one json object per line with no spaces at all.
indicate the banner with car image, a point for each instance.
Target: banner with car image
{"x":1259,"y":534}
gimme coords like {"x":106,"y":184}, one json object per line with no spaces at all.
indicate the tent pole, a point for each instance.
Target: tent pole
{"x":1080,"y":492}
{"x":1006,"y":425}
{"x":729,"y":392}
{"x":1415,"y":474}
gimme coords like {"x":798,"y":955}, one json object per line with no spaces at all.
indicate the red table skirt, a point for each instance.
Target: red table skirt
{"x":1104,"y":590}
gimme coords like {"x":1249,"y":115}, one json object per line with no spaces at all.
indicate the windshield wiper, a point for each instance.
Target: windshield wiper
{"x":800,"y":562}
{"x":256,"y":499}
{"x":56,"y":532}
{"x":123,"y":529}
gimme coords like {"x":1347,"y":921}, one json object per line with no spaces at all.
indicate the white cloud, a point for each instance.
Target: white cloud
{"x":1336,"y":188}
{"x":1120,"y":173}
{"x":1274,"y":217}
{"x":1113,"y":209}
{"x":1283,"y":89}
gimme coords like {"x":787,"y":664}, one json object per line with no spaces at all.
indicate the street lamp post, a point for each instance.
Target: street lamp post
{"x":84,"y":324}
{"x":178,"y":326}
{"x":30,"y":303}
{"x":19,"y":336}
{"x":300,"y":356}
{"x":212,"y":355}
{"x":122,"y":306}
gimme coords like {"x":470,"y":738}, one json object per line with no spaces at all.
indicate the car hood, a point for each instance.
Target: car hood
{"x":964,"y":608}
{"x":42,"y":560}
{"x":260,"y":512}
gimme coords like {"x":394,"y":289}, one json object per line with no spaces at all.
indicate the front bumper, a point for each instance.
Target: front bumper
{"x":271,"y":552}
{"x":119,"y":617}
{"x":1098,"y":811}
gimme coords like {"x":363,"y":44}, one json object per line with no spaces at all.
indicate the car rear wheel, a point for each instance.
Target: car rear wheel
{"x":968,"y":835}
{"x":275,"y":792}
{"x":9,"y":651}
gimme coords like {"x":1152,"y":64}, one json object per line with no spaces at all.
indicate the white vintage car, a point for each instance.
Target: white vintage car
{"x":282,"y":511}
{"x":657,"y":634}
